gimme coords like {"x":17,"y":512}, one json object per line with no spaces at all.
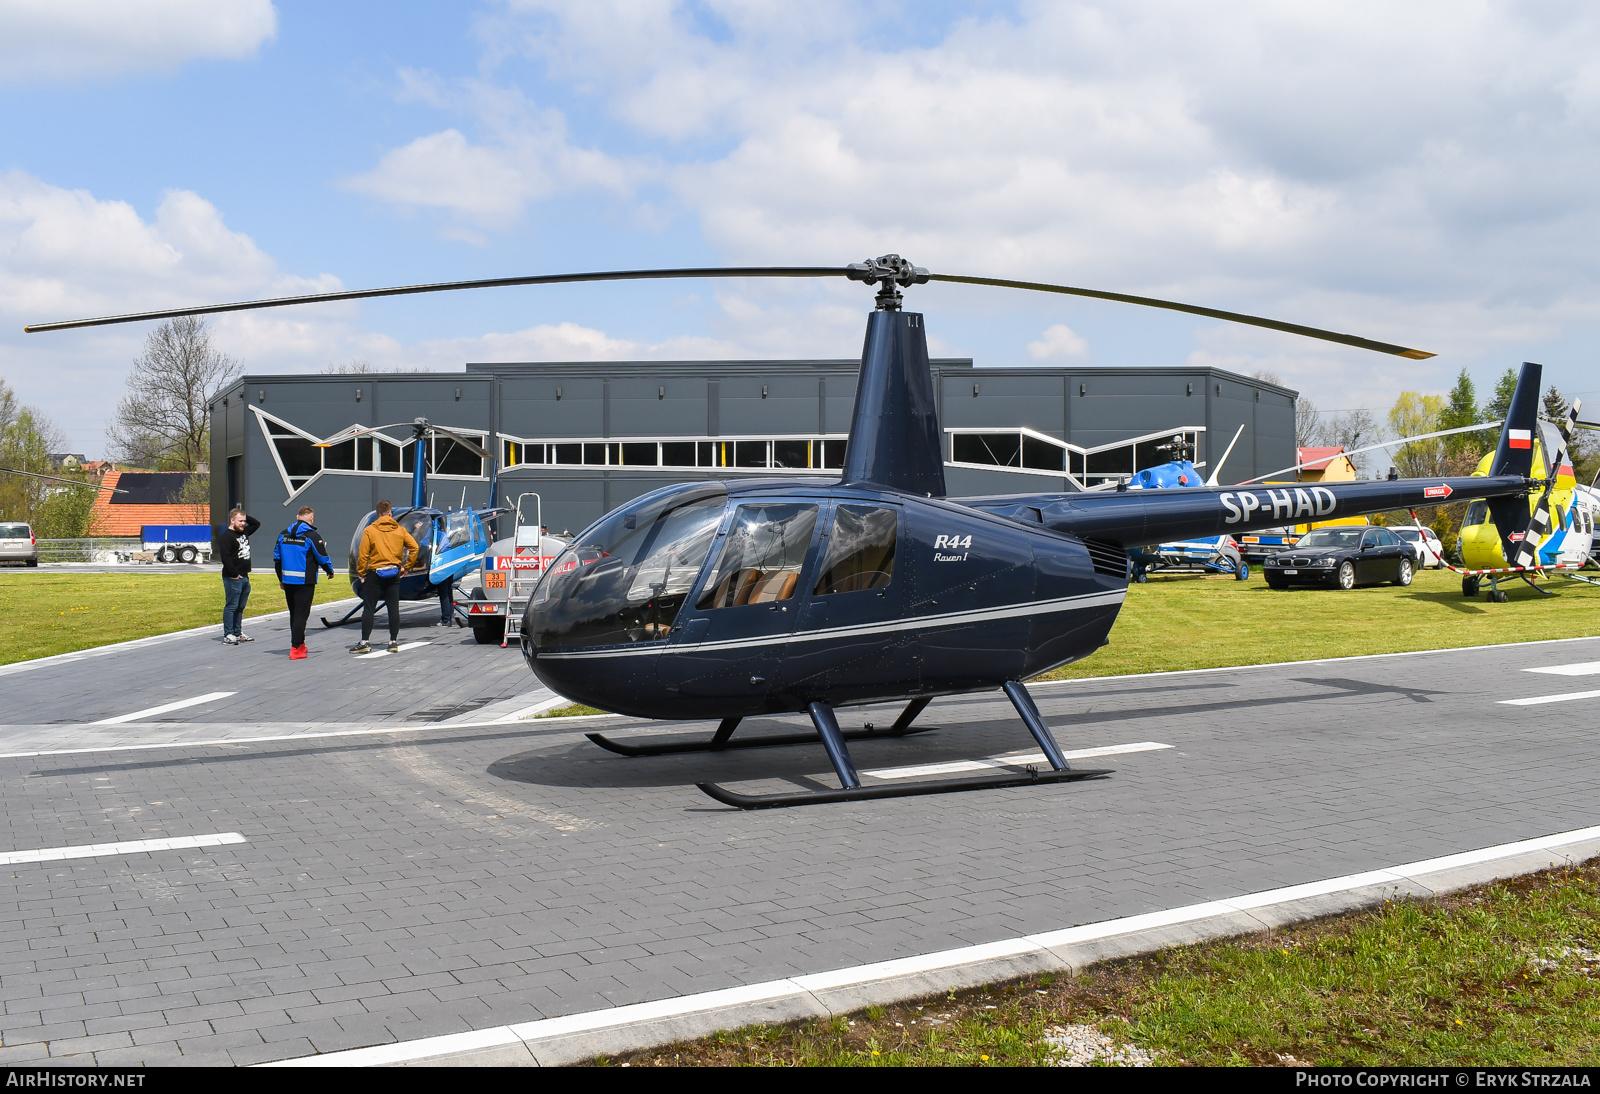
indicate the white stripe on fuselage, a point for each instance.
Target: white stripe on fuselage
{"x":921,"y":622}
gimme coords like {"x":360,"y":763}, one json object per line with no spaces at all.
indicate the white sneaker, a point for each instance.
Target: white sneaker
{"x":229,"y":640}
{"x":246,"y":638}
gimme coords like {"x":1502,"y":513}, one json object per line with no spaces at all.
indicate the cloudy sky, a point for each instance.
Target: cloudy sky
{"x":1425,"y":173}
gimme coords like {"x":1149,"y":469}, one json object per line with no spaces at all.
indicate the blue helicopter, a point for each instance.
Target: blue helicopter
{"x":450,"y":542}
{"x":1209,"y":554}
{"x":722,"y":601}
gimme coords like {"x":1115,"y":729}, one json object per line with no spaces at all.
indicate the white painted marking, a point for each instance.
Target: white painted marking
{"x":1540,"y":700}
{"x":129,"y":847}
{"x":385,"y":652}
{"x":1582,"y":668}
{"x":214,"y":742}
{"x":612,"y":1017}
{"x":165,"y":708}
{"x":1018,"y":760}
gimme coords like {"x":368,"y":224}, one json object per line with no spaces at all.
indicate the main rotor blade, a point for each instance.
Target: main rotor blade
{"x":58,"y":478}
{"x":469,"y":445}
{"x":732,"y":271}
{"x":1192,"y":309}
{"x":447,"y":286}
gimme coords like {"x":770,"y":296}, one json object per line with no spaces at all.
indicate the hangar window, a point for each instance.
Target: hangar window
{"x":301,"y":459}
{"x":825,"y":453}
{"x":1031,"y":452}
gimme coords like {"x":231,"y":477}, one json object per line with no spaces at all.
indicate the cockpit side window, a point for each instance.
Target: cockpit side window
{"x":458,"y":528}
{"x":1477,"y":513}
{"x":860,"y":550}
{"x":761,"y":560}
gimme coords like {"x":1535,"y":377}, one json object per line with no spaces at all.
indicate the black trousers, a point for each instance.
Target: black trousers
{"x":299,"y":598}
{"x":374,"y":589}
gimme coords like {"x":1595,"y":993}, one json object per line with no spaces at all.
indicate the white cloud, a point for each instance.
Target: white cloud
{"x":53,"y":40}
{"x":1058,"y":343}
{"x":1416,"y":174}
{"x":66,"y":254}
{"x":527,"y":157}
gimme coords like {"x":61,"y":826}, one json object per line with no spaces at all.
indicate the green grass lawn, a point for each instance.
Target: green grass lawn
{"x":1181,"y":621}
{"x":1505,"y":974}
{"x":44,"y":614}
{"x":1174,"y":622}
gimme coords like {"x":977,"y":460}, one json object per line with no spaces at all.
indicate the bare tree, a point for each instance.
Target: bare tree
{"x":162,"y":421}
{"x":1350,"y":430}
{"x":1307,"y":423}
{"x":356,"y":366}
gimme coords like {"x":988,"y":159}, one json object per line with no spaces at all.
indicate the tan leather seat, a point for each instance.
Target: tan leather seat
{"x":778,"y":585}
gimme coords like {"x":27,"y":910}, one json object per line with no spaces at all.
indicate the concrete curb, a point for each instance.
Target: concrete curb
{"x":552,"y":1042}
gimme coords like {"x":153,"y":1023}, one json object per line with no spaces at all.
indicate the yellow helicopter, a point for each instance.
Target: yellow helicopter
{"x":1549,"y":532}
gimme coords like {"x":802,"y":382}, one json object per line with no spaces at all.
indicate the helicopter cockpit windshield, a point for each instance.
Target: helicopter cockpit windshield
{"x":625,"y":579}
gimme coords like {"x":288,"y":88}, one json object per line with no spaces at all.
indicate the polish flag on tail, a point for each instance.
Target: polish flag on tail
{"x":1520,"y":438}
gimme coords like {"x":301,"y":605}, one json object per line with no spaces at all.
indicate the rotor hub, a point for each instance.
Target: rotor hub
{"x":892,"y":272}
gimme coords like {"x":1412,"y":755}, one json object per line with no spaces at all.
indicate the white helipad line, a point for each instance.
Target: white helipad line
{"x":165,"y":708}
{"x":128,"y":847}
{"x":375,"y":652}
{"x":1582,"y":668}
{"x":1018,"y":760}
{"x":805,"y":987}
{"x":1540,"y":700}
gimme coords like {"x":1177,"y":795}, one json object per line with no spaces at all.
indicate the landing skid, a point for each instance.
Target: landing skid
{"x":850,"y":788}
{"x":1028,"y":777}
{"x":349,"y":616}
{"x":673,"y":748}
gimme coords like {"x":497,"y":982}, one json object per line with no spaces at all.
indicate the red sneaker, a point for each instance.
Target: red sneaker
{"x":297,"y":653}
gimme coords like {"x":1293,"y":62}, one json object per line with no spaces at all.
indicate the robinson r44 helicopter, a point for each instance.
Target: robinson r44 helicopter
{"x":450,"y":542}
{"x":724,"y":600}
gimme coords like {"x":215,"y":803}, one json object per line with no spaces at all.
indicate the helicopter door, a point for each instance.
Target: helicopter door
{"x":461,"y":545}
{"x":730,"y":644}
{"x":848,"y":637}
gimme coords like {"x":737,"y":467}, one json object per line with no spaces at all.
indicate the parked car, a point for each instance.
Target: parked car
{"x":1344,"y":558}
{"x":1426,"y":550}
{"x":18,"y":544}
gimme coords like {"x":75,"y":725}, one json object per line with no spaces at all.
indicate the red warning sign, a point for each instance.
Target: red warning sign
{"x":1440,"y":491}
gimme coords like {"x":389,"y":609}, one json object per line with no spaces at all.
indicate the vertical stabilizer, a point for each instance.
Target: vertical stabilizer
{"x":894,"y":432}
{"x":1514,"y":456}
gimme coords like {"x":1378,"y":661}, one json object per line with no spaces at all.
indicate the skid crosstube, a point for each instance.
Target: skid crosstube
{"x":622,"y":748}
{"x":908,"y":790}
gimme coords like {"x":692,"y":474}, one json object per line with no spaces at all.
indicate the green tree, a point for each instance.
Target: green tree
{"x":1461,"y":409}
{"x":1500,"y":405}
{"x":1412,"y":415}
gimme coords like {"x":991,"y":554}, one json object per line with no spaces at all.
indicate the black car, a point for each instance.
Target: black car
{"x":1344,"y":557}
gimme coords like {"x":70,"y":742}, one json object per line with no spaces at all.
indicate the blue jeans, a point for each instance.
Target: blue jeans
{"x":238,"y":595}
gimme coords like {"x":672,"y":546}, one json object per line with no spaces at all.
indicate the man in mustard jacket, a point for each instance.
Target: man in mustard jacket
{"x":387,"y":551}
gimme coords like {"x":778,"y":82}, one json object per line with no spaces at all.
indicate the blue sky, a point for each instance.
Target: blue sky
{"x":1420,"y":174}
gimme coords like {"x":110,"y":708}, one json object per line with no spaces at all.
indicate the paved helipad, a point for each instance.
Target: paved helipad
{"x":352,"y":851}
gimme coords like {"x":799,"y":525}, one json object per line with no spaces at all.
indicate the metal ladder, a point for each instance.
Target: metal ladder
{"x":518,"y":591}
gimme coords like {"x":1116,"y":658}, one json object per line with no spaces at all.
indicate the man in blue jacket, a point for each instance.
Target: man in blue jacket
{"x":297,"y":556}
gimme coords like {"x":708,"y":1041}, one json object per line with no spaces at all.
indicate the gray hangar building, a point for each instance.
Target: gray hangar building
{"x":588,"y":436}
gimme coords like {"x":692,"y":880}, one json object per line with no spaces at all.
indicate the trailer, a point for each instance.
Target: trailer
{"x":189,"y":543}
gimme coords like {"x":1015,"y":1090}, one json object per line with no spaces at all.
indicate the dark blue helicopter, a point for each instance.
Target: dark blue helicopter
{"x":450,"y":542}
{"x":727,"y":600}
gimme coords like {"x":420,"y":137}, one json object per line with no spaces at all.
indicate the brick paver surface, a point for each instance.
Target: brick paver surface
{"x":452,"y":875}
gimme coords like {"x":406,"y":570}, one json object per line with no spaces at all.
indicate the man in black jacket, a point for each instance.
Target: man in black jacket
{"x":233,"y":548}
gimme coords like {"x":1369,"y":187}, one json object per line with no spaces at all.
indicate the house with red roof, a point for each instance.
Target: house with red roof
{"x":151,"y":498}
{"x":1328,"y":464}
